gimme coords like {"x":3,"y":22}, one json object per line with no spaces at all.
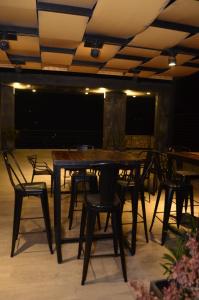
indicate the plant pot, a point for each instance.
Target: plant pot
{"x":157,"y":287}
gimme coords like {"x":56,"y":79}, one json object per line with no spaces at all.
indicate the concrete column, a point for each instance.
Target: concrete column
{"x":114,"y":120}
{"x":164,"y":120}
{"x":7,"y":117}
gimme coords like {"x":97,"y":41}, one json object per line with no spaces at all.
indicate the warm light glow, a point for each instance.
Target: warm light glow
{"x":34,"y":91}
{"x":86,"y":93}
{"x":87,"y":89}
{"x":134,"y":96}
{"x":18,"y":85}
{"x":28,"y":86}
{"x":148,"y":93}
{"x":172,"y":61}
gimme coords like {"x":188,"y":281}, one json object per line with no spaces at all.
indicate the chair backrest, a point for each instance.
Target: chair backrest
{"x":108,"y":174}
{"x":32,"y":160}
{"x":15,"y":173}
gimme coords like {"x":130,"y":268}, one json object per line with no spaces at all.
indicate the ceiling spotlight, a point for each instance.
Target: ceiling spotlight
{"x":172,"y":61}
{"x":95,"y":52}
{"x":4,"y":45}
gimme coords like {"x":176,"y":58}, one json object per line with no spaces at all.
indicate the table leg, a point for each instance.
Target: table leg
{"x":57,"y":212}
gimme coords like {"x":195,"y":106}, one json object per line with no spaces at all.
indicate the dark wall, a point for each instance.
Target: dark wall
{"x":140,"y":115}
{"x":57,"y":119}
{"x":186,"y":114}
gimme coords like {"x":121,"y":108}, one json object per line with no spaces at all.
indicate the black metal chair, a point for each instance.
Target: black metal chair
{"x":40,"y":168}
{"x":105,"y":201}
{"x":176,"y":190}
{"x":22,"y":189}
{"x":79,"y":177}
{"x":131,"y":183}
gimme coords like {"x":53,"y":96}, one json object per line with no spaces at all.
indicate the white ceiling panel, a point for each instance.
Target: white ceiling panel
{"x":69,"y":28}
{"x":158,"y":38}
{"x":123,"y":18}
{"x":107,"y":52}
{"x":192,"y":42}
{"x":25,"y":45}
{"x":77,"y":3}
{"x":56,"y":58}
{"x":18,"y":13}
{"x":183,"y":12}
{"x":139,"y":52}
{"x":123,"y":64}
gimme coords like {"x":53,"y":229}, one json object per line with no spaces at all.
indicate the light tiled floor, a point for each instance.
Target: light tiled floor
{"x":33,"y":273}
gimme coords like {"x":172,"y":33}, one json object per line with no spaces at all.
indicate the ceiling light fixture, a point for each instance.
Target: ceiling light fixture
{"x":95,"y":52}
{"x":172,"y":61}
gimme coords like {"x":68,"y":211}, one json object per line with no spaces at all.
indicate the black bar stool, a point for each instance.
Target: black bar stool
{"x":105,"y":201}
{"x":22,"y":189}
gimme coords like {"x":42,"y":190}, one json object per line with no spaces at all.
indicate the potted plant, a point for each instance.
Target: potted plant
{"x":182,"y":267}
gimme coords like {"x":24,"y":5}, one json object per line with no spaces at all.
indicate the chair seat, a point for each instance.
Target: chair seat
{"x":31,"y":188}
{"x":174,"y":184}
{"x":188,"y":174}
{"x":95,"y":201}
{"x":43,"y":172}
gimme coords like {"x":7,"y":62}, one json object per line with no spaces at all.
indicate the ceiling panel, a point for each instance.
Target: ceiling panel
{"x":162,"y":61}
{"x":122,"y":63}
{"x":53,"y":36}
{"x":25,"y":45}
{"x":32,"y":65}
{"x":180,"y":71}
{"x":139,"y":52}
{"x":69,"y":28}
{"x":123,"y":18}
{"x":77,"y":3}
{"x":56,"y":58}
{"x":18,"y":13}
{"x":4,"y":58}
{"x":83,"y":69}
{"x":158,"y":38}
{"x":192,"y":42}
{"x":183,"y":12}
{"x":107,"y":52}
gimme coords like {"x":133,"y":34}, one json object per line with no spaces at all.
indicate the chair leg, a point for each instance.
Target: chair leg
{"x":82,"y":230}
{"x":16,"y":221}
{"x":107,"y":221}
{"x":91,"y":219}
{"x":121,"y":242}
{"x":115,"y":234}
{"x":45,"y":209}
{"x":73,"y":199}
{"x":156,"y":207}
{"x":180,"y":197}
{"x":144,"y":215}
{"x":167,"y":209}
{"x":51,"y":184}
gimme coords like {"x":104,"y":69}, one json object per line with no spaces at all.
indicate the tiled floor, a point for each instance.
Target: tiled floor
{"x":33,"y":273}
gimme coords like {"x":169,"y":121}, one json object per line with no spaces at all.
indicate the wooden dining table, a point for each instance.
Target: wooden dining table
{"x":71,"y":160}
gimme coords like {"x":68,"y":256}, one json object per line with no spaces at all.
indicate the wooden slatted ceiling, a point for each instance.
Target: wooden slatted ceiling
{"x":182,"y":11}
{"x":162,"y":61}
{"x":18,"y":13}
{"x":107,"y":52}
{"x":77,"y":3}
{"x":139,"y":52}
{"x":122,"y":63}
{"x":83,"y":69}
{"x":69,"y":29}
{"x":192,"y":42}
{"x":158,"y":38}
{"x":25,"y":45}
{"x":123,"y":18}
{"x":56,"y":58}
{"x":112,"y":71}
{"x":32,"y":65}
{"x":180,"y":71}
{"x":4,"y":58}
